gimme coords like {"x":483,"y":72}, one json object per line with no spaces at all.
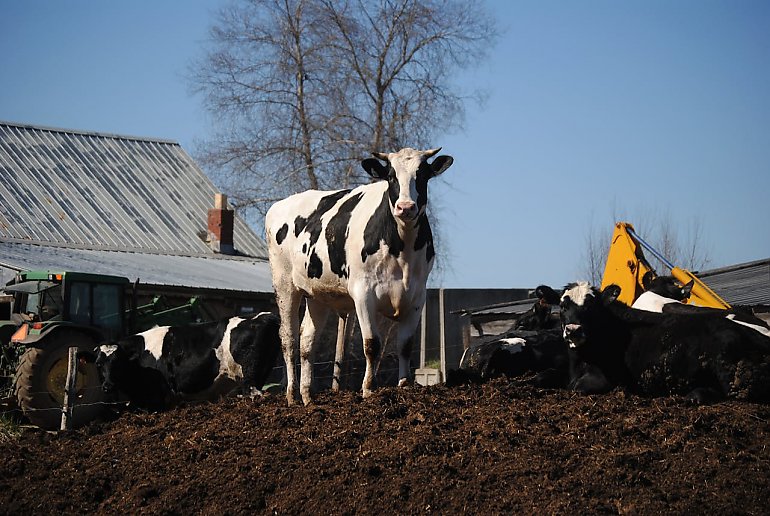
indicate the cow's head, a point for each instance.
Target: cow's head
{"x":112,"y":362}
{"x":582,"y":308}
{"x":667,"y":286}
{"x":407,"y":172}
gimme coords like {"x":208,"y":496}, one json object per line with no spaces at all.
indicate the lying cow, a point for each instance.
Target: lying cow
{"x":157,"y":367}
{"x":661,"y":290}
{"x":368,"y":250}
{"x":515,"y":354}
{"x":665,"y":294}
{"x":533,"y":345}
{"x":705,"y":358}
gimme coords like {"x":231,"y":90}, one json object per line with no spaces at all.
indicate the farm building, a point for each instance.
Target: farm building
{"x":141,"y":208}
{"x":126,"y":206}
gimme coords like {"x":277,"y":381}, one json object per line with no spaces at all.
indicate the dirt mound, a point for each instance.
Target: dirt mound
{"x":503,"y":447}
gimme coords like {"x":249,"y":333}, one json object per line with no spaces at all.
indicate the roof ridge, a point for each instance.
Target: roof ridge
{"x":134,"y":250}
{"x":81,"y":132}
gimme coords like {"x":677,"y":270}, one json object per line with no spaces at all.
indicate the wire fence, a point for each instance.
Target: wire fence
{"x":323,"y":374}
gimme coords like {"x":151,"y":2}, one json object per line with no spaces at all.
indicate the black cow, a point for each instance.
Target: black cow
{"x":538,"y":317}
{"x":706,"y":358}
{"x":157,"y":367}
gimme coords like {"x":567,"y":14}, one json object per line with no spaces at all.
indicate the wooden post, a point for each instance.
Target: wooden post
{"x":69,"y":389}
{"x":423,"y":333}
{"x":339,"y":353}
{"x":442,"y":331}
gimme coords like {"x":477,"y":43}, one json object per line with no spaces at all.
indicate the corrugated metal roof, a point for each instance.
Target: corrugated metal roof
{"x":213,"y":272}
{"x":106,"y":192}
{"x":742,"y":284}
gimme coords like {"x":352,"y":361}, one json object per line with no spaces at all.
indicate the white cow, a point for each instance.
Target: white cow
{"x":369,"y":249}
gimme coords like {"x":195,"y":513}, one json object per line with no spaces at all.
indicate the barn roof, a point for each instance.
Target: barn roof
{"x":211,"y":272}
{"x":742,"y":284}
{"x":87,"y":198}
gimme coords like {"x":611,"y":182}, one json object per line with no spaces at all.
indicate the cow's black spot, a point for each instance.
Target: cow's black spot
{"x":424,"y":173}
{"x":337,"y":235}
{"x":314,"y":267}
{"x":299,"y":225}
{"x":394,"y":189}
{"x":381,"y":228}
{"x":312,"y":224}
{"x":424,"y":237}
{"x":281,"y":234}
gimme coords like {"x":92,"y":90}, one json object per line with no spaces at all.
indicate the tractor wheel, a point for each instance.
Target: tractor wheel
{"x":41,"y":378}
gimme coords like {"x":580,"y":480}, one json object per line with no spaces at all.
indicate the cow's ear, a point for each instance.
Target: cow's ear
{"x":87,"y":356}
{"x":687,"y":289}
{"x":647,"y":280}
{"x":440,"y":164}
{"x":610,"y":294}
{"x":547,"y":294}
{"x":375,"y":168}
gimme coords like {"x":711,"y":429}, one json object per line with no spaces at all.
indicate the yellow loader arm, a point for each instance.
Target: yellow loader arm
{"x":626,"y":266}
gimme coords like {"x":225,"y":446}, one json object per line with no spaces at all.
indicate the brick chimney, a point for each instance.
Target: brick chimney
{"x":220,"y":223}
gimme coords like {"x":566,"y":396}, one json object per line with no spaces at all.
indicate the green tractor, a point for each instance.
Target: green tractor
{"x":50,"y":312}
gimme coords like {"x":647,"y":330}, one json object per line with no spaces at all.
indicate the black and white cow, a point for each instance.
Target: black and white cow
{"x":514,"y":354}
{"x":368,"y":250}
{"x":533,"y":345}
{"x":665,"y":294}
{"x":661,"y":290}
{"x":200,"y":361}
{"x":706,"y":358}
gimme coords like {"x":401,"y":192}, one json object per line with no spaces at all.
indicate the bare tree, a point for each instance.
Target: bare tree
{"x":681,"y":245}
{"x":301,"y":90}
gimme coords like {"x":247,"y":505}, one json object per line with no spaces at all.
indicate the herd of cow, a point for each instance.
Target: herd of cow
{"x":369,"y":251}
{"x":656,"y":347}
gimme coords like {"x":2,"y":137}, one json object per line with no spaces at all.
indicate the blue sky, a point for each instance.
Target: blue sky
{"x":594,"y":109}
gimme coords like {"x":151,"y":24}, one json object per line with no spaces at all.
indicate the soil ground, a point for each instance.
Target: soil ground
{"x":499,"y":448}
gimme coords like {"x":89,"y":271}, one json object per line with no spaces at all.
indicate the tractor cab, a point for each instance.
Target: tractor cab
{"x":43,"y":300}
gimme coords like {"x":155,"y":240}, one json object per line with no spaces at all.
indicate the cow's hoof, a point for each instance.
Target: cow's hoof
{"x":367,"y":393}
{"x":404,"y":382}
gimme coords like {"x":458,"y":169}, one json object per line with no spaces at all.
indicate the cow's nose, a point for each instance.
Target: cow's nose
{"x":572,"y":330}
{"x":406,"y":209}
{"x":573,"y":333}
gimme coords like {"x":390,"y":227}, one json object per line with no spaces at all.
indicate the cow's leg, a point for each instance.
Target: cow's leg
{"x":288,"y":307}
{"x":313,"y":323}
{"x":406,"y":330}
{"x":367,"y":321}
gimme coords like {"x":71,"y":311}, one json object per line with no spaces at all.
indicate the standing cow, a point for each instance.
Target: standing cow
{"x":369,"y":249}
